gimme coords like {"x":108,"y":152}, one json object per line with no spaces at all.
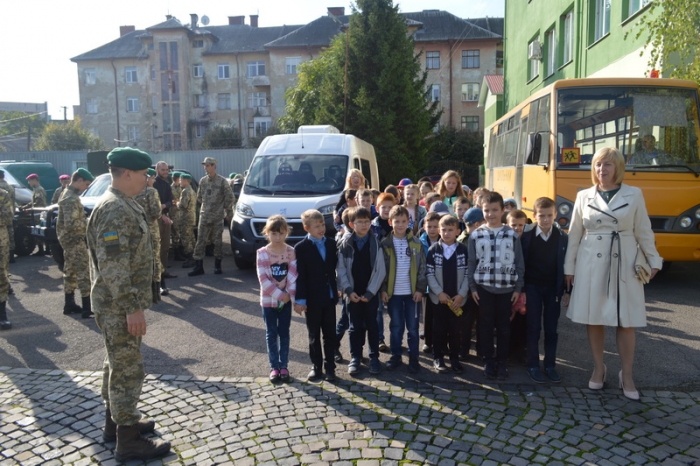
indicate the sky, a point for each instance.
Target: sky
{"x":39,"y":37}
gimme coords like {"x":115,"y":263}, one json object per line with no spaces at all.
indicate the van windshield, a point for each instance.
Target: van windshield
{"x":295,"y":175}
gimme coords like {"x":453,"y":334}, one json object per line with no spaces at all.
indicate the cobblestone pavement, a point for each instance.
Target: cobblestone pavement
{"x":55,"y":417}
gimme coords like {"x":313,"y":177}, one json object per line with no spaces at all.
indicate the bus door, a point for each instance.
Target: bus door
{"x":534,"y":149}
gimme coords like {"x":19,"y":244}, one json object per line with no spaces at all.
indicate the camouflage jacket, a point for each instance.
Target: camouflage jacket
{"x":188,"y":205}
{"x":176,"y":190}
{"x":57,"y":194}
{"x":71,"y":223}
{"x":10,"y":189}
{"x":39,"y":197}
{"x":7,"y":208}
{"x":121,"y":255}
{"x":216,"y":198}
{"x":149,"y":201}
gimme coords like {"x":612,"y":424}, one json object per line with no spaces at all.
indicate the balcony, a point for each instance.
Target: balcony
{"x":259,"y":81}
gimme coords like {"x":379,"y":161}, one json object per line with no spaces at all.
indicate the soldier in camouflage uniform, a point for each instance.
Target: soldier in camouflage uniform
{"x":65,"y":180}
{"x":6,"y":214}
{"x":216,"y":197}
{"x":149,"y":201}
{"x":10,"y":227}
{"x":38,"y":200}
{"x":174,"y":213}
{"x":122,"y":270}
{"x":70,"y":228}
{"x":187,"y":208}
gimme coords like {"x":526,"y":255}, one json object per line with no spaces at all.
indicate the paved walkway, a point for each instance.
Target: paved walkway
{"x":56,"y":417}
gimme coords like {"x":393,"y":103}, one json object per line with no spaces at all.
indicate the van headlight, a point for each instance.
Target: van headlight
{"x":697,"y":214}
{"x":327,"y":209}
{"x":244,"y":210}
{"x":564,"y":209}
{"x":686,"y":222}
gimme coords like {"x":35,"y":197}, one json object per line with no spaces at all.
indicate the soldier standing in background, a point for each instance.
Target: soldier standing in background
{"x":174,"y":214}
{"x":10,"y":227}
{"x":187,"y":207}
{"x":64,"y":180}
{"x":38,"y":200}
{"x":71,"y":226}
{"x":6,"y":214}
{"x":216,"y":197}
{"x":122,"y":266}
{"x":164,"y":223}
{"x":149,"y":201}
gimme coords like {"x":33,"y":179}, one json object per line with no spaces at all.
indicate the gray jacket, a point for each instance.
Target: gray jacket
{"x":346,"y":254}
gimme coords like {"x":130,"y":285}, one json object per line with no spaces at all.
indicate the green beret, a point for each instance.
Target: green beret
{"x":129,"y":158}
{"x":84,"y":174}
{"x":186,"y":176}
{"x":177,"y":174}
{"x":151,"y":172}
{"x":232,"y":175}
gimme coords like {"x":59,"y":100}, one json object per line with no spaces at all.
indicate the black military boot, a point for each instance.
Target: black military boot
{"x":70,"y":307}
{"x":12,"y":257}
{"x":145,"y":426}
{"x":164,"y":291}
{"x":4,"y":323}
{"x":178,"y":255}
{"x":189,"y":262}
{"x":87,"y":308}
{"x":217,"y":267}
{"x":198,"y":269}
{"x":132,"y":446}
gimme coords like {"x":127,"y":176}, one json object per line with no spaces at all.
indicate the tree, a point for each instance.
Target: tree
{"x":387,"y":99}
{"x":68,"y":136}
{"x":457,"y":149}
{"x":21,"y":125}
{"x":222,"y":137}
{"x":674,"y":37}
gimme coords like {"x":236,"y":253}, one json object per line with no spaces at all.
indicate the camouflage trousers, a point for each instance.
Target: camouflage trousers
{"x":176,"y":217}
{"x":76,"y":269}
{"x":187,"y":235}
{"x":123,"y":371}
{"x":155,"y":234}
{"x":4,"y":264}
{"x":209,"y":232}
{"x":11,"y":234}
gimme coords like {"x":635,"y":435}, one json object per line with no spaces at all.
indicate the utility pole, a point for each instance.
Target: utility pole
{"x":29,"y":135}
{"x":65,"y":112}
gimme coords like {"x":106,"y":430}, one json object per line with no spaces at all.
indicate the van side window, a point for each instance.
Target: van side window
{"x":366,"y":171}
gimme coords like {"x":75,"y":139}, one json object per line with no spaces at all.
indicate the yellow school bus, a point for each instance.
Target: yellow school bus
{"x":544,"y":146}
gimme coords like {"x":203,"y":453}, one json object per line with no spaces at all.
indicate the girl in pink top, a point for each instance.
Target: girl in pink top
{"x":277,"y":273}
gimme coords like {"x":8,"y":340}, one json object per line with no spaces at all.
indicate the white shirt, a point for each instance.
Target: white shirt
{"x":447,"y":251}
{"x":542,"y":234}
{"x":402,"y":282}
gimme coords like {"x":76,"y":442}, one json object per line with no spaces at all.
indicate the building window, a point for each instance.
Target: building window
{"x":533,"y":64}
{"x":257,"y":99}
{"x":198,"y":71}
{"x":434,"y":91}
{"x":199,"y":131}
{"x":199,"y":101}
{"x":567,"y":38}
{"x":153,"y":73}
{"x":432,"y":60}
{"x":134,"y":133}
{"x":636,"y":5}
{"x":132,"y":104}
{"x":470,"y":92}
{"x":471,"y":58}
{"x":154,"y":102}
{"x":551,"y":46}
{"x":255,"y":68}
{"x":224,"y":71}
{"x":197,"y":44}
{"x":131,"y":74}
{"x":499,"y":58}
{"x":602,"y":19}
{"x":91,"y":106}
{"x":224,"y":101}
{"x":470,"y":123}
{"x":90,"y":76}
{"x":259,"y":127}
{"x":292,"y":64}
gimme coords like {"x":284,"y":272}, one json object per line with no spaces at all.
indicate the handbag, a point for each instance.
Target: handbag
{"x":642,"y":269}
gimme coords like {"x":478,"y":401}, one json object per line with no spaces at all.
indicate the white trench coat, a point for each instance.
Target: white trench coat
{"x":602,"y":249}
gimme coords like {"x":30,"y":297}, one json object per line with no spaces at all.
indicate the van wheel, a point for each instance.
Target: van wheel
{"x":24,"y":241}
{"x":242,"y":264}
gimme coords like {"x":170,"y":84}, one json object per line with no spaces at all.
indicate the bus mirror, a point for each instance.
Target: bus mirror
{"x":534,"y":144}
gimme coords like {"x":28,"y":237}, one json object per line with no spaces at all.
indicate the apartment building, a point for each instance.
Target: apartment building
{"x":161,"y":88}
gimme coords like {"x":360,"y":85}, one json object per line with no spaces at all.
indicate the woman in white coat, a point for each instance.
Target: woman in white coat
{"x":608,"y":223}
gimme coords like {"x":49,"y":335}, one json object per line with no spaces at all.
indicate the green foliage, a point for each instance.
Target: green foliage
{"x":387,"y":100}
{"x":255,"y":141}
{"x":68,"y":136}
{"x":222,"y":137}
{"x":673,"y":27}
{"x":17,"y":124}
{"x":457,"y":149}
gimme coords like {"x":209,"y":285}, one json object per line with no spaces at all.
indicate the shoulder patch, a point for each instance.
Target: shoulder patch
{"x":111,"y":236}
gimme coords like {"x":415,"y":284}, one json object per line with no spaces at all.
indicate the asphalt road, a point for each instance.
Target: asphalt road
{"x":211,"y":325}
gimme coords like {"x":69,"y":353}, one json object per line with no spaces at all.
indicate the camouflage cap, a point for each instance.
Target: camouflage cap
{"x":186,"y":176}
{"x":84,"y":174}
{"x":129,"y":158}
{"x":151,"y":172}
{"x":209,"y":160}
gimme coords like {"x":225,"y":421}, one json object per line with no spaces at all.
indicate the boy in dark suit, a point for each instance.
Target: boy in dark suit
{"x":317,"y":292}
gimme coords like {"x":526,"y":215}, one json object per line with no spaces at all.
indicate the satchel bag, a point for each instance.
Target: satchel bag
{"x":642,"y":269}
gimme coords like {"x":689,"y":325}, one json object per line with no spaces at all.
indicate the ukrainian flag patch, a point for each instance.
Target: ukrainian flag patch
{"x":111,"y":236}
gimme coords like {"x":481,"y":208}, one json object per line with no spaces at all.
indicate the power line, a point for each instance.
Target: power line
{"x":22,"y":117}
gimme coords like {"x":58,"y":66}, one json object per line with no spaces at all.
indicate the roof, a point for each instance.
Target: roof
{"x":170,"y":23}
{"x":244,"y":38}
{"x":127,"y":46}
{"x":441,"y":25}
{"x":495,"y":83}
{"x":494,"y":25}
{"x":318,"y":32}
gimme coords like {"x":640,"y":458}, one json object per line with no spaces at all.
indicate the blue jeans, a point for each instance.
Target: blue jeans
{"x":543,"y":309}
{"x":277,"y":325}
{"x":403,"y":313}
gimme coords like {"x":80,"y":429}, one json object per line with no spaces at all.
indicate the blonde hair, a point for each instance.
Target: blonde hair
{"x":357,"y":172}
{"x":614,"y":156}
{"x":276,"y":224}
{"x":311,"y":215}
{"x":442,"y":190}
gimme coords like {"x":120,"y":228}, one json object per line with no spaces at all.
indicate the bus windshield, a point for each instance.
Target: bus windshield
{"x":655,"y":128}
{"x":296,"y":175}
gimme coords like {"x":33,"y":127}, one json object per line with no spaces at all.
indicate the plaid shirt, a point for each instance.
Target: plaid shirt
{"x":495,"y":260}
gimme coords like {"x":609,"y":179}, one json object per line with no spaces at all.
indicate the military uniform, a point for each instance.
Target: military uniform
{"x":187,"y":208}
{"x":175,"y":216}
{"x":216,"y":198}
{"x":71,"y":228}
{"x":10,"y":227}
{"x":6,"y":214}
{"x":39,"y":196}
{"x":57,"y":194}
{"x":150,"y":202}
